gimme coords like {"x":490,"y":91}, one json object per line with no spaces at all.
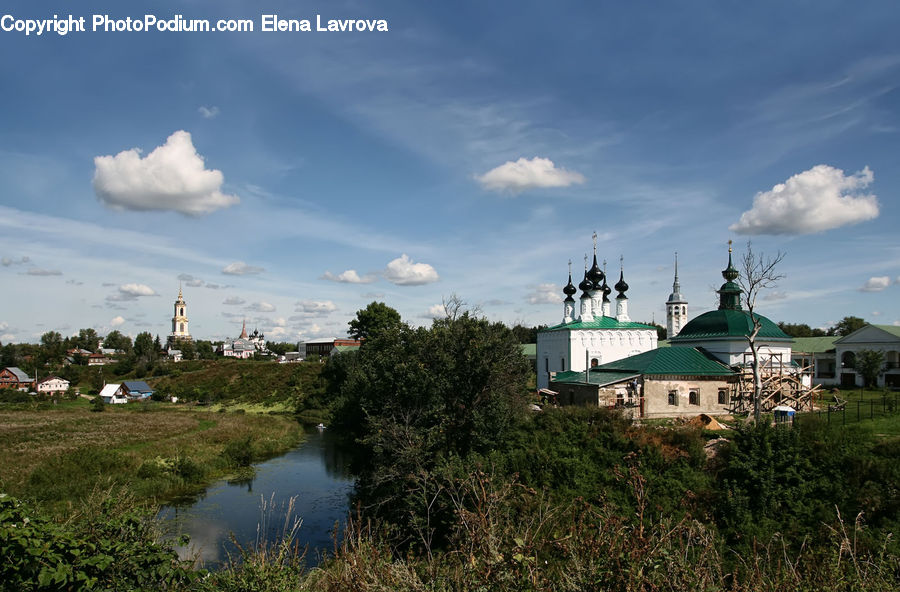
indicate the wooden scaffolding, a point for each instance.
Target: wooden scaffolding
{"x":782,"y":384}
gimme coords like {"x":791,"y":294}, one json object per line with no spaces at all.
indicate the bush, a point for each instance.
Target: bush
{"x":239,"y":453}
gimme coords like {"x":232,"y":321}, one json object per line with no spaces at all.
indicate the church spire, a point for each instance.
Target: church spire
{"x":569,"y":302}
{"x":676,"y":307}
{"x":244,"y":329}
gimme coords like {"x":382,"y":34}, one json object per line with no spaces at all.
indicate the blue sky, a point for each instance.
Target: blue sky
{"x":289,"y":178}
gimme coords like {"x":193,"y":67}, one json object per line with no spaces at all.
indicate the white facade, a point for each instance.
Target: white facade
{"x":179,"y":320}
{"x":112,"y":394}
{"x":676,"y":307}
{"x":53,"y":384}
{"x":881,"y":338}
{"x":567,"y":349}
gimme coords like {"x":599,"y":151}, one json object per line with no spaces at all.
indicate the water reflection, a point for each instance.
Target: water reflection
{"x":255,"y":510}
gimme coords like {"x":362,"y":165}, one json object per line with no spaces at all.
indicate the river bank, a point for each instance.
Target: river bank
{"x":159,"y":452}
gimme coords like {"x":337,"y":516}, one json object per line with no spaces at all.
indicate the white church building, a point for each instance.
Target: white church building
{"x":594,"y":334}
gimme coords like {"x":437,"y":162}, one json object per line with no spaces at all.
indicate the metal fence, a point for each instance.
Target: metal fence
{"x":854,"y":411}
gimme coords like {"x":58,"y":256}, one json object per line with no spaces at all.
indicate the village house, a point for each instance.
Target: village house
{"x":136,"y":389}
{"x":52,"y":385}
{"x":113,"y":394}
{"x":16,"y":378}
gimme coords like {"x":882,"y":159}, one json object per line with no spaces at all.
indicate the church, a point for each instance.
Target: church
{"x":706,"y":367}
{"x":594,"y":334}
{"x":180,"y":331}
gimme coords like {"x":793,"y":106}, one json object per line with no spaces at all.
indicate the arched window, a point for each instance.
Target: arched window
{"x":723,"y":397}
{"x":182,"y":311}
{"x":848,"y":360}
{"x":673,"y":398}
{"x":562,"y":364}
{"x":684,"y":310}
{"x":694,"y":397}
{"x":594,"y":362}
{"x":182,"y":327}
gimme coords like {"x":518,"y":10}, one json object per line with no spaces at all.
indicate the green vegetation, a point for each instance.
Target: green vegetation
{"x":57,"y":456}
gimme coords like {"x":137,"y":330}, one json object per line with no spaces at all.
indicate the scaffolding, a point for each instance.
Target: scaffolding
{"x":782,"y":384}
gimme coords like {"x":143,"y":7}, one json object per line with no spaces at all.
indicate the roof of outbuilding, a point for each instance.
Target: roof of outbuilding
{"x":598,"y":378}
{"x":109,"y":390}
{"x":20,"y":374}
{"x":137,"y":385}
{"x":813,"y":345}
{"x":684,"y":361}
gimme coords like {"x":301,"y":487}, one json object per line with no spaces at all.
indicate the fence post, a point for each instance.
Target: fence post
{"x":857,"y":409}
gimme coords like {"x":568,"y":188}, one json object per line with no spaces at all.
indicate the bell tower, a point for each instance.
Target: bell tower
{"x":180,"y":321}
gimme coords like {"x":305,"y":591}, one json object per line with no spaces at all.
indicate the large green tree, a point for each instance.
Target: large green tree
{"x":86,"y":339}
{"x":847,"y":325}
{"x":52,"y":348}
{"x":116,"y":340}
{"x":374,"y":319}
{"x":144,"y":348}
{"x":870,"y":364}
{"x":801,"y":330}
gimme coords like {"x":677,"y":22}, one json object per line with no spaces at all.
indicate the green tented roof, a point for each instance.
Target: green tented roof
{"x":601,"y":323}
{"x":813,"y":345}
{"x":529,"y":350}
{"x":727,"y":323}
{"x":682,"y":361}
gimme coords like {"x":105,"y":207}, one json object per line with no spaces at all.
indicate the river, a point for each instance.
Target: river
{"x":314,"y":475}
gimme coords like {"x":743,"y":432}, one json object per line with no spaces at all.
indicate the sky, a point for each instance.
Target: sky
{"x":288,"y":178}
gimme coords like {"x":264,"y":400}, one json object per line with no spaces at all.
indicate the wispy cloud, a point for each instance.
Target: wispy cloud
{"x":241,"y":268}
{"x":349,"y":276}
{"x":208,"y":112}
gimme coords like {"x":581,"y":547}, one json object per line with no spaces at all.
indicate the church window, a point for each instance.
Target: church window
{"x":673,"y":398}
{"x":182,"y":327}
{"x":562,"y":364}
{"x":547,"y":365}
{"x":694,"y":398}
{"x":723,"y":397}
{"x":684,"y":310}
{"x":594,"y":362}
{"x":620,"y":400}
{"x":182,"y":312}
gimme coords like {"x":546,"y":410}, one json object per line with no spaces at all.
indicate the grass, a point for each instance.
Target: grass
{"x":61,"y":453}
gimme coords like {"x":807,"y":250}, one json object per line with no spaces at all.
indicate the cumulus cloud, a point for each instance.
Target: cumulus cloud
{"x":435,"y":311}
{"x":41,"y":272}
{"x":403,"y":272}
{"x":172,"y":177}
{"x":241,"y":268}
{"x":261,"y":307}
{"x":191,"y":281}
{"x":349,"y":277}
{"x":130,"y":292}
{"x":816,"y":200}
{"x":524,"y":174}
{"x":276,"y":332}
{"x":545,"y":294}
{"x":234,"y":301}
{"x":117,"y":321}
{"x":876,"y":284}
{"x":208,"y":112}
{"x":316,"y":307}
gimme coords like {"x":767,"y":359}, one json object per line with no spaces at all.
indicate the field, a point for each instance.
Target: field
{"x":158,"y":451}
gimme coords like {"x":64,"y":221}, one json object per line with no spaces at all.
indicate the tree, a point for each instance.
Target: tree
{"x":86,"y":339}
{"x":52,"y":348}
{"x":758,"y":274}
{"x":847,"y":325}
{"x":375,"y":318}
{"x":115,"y":340}
{"x":801,"y":330}
{"x":870,"y":364}
{"x":188,"y":349}
{"x":144,"y":348}
{"x":205,"y":350}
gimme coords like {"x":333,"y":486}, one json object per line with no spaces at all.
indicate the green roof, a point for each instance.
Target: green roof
{"x":681,"y":361}
{"x":598,"y":378}
{"x":345,"y":348}
{"x":892,"y":329}
{"x":529,"y":350}
{"x":813,"y":345}
{"x":728,"y":324}
{"x":601,"y":323}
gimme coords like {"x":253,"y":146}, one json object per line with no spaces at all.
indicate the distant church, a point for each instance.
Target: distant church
{"x":180,"y":331}
{"x":592,"y":336}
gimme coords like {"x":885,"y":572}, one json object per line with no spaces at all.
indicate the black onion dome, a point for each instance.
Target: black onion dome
{"x":586,"y":285}
{"x":570,"y":287}
{"x":595,"y":274}
{"x":621,"y":286}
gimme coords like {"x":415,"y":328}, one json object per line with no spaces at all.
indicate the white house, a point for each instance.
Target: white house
{"x":883,"y":338}
{"x":52,"y":384}
{"x":113,"y":394}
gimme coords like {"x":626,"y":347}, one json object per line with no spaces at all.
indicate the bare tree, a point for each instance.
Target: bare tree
{"x":757,"y":274}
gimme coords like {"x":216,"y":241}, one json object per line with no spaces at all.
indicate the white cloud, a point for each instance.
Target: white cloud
{"x":172,"y":177}
{"x":876,"y":284}
{"x":131,"y":292}
{"x":316,"y":307}
{"x":241,"y":268}
{"x":208,"y":112}
{"x":234,"y":301}
{"x":524,"y":174}
{"x":816,"y":200}
{"x":11,"y":337}
{"x":261,"y":307}
{"x":276,"y":332}
{"x":280,"y":322}
{"x":435,"y":311}
{"x":42,"y":272}
{"x":191,"y":281}
{"x":403,"y":272}
{"x":545,"y":294}
{"x":349,"y":277}
{"x":116,"y":321}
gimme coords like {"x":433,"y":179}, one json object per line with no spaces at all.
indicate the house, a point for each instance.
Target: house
{"x":136,"y":389}
{"x":174,"y":355}
{"x":113,"y":394}
{"x":52,"y":385}
{"x":325,"y":347}
{"x":98,"y":359}
{"x":883,"y":338}
{"x":16,"y":378}
{"x":817,"y":354}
